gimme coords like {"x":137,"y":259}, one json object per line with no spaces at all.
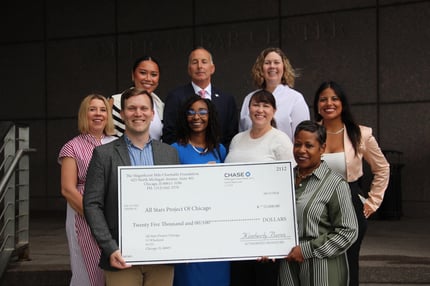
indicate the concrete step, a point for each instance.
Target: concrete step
{"x":54,"y":276}
{"x":392,"y":253}
{"x":394,"y":269}
{"x":374,"y":270}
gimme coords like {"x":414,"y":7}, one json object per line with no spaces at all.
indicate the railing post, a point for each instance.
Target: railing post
{"x":23,"y":194}
{"x":9,"y":199}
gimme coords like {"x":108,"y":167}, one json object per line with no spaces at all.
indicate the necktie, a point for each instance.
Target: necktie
{"x":202,"y":93}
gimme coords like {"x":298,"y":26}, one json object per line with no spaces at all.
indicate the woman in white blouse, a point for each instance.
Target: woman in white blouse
{"x":273,"y":72}
{"x":261,"y":143}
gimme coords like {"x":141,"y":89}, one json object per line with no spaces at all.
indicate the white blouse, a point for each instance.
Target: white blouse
{"x":336,"y":162}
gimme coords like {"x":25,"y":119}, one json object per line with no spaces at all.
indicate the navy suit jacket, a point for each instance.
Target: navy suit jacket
{"x":225,"y":105}
{"x":101,"y":190}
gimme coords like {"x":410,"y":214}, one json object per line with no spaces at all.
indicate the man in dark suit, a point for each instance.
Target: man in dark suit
{"x":135,"y":147}
{"x":200,"y":69}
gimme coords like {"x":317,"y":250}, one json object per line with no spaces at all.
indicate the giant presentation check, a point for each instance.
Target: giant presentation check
{"x":213,"y":212}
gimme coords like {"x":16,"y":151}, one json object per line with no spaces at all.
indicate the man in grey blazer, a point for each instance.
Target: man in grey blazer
{"x":135,"y":147}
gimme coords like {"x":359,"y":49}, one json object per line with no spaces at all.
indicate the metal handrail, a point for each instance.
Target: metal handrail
{"x":11,"y":169}
{"x":14,"y":195}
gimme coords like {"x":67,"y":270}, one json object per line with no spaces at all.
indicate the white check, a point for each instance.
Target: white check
{"x":211,"y":212}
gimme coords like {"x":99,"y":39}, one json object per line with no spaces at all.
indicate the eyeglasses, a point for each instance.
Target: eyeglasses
{"x":201,"y":112}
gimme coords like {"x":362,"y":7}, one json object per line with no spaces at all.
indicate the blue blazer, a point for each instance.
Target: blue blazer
{"x":101,"y":191}
{"x":225,"y":105}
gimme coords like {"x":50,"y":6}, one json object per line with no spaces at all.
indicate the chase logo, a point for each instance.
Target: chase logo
{"x":237,"y":174}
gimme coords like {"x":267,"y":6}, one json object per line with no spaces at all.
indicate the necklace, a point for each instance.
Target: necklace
{"x":303,"y":176}
{"x":197,"y":150}
{"x":336,"y":132}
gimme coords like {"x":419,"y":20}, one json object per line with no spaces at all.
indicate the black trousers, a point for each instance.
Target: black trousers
{"x":353,"y":253}
{"x":254,"y":273}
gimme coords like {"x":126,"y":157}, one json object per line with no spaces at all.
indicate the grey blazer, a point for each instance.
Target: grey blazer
{"x":101,"y":190}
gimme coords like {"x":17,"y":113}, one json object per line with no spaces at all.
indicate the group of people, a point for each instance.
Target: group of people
{"x":198,"y":124}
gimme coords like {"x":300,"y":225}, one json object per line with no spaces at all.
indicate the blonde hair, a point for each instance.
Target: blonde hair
{"x":288,"y":76}
{"x":83,"y":125}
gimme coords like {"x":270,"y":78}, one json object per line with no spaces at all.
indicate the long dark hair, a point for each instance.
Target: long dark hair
{"x":212,"y":137}
{"x":352,"y":128}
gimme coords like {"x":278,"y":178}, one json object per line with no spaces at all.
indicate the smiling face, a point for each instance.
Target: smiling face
{"x":307,"y":151}
{"x":97,"y":116}
{"x":200,"y":67}
{"x":329,"y":104}
{"x":137,"y":114}
{"x":198,"y":122}
{"x":146,"y":76}
{"x":273,"y":68}
{"x":261,"y":113}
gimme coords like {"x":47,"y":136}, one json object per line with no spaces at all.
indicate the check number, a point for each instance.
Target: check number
{"x":281,"y":168}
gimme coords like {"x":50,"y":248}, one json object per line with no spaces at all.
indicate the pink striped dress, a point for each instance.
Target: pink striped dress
{"x":83,"y":249}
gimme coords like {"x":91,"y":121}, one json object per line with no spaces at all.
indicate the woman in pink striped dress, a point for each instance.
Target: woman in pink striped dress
{"x":96,"y":127}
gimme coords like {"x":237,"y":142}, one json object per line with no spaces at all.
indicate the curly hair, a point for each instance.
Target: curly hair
{"x":288,"y":76}
{"x":212,"y":131}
